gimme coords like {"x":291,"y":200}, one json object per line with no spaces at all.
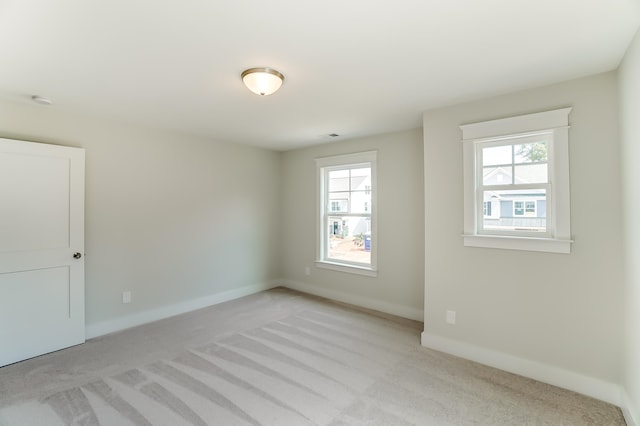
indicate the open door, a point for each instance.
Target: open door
{"x":41,"y":249}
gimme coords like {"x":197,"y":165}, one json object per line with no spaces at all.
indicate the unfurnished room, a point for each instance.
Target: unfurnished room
{"x":333,"y":213}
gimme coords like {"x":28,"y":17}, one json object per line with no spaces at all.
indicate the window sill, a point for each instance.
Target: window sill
{"x":549,"y":245}
{"x":351,"y":269}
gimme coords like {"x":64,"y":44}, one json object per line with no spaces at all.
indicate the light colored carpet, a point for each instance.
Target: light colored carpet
{"x":278,"y":358}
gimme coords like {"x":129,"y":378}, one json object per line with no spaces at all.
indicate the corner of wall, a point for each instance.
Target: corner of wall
{"x":140,"y":318}
{"x":631,"y":417}
{"x":376,"y":305}
{"x":629,"y":98}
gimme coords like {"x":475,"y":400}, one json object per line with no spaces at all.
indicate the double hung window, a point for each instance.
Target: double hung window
{"x":347,"y":213}
{"x":516,"y":182}
{"x":513,"y":176}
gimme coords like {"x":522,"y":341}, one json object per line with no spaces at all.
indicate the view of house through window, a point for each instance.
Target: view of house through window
{"x":514,"y":184}
{"x":347,"y":210}
{"x":350,"y":231}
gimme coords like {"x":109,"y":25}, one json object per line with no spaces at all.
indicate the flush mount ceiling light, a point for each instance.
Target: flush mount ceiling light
{"x":262,"y":81}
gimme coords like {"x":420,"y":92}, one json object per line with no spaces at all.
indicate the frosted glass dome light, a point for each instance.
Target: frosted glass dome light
{"x":262,"y":81}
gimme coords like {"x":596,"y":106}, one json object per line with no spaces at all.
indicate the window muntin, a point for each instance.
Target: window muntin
{"x":347,"y":211}
{"x":516,"y":162}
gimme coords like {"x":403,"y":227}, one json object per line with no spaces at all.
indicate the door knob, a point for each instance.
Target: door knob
{"x":77,"y":255}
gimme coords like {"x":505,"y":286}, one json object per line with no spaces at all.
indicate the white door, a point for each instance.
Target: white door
{"x":41,"y":249}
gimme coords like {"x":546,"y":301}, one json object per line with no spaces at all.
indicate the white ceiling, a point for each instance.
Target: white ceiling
{"x":352,"y":67}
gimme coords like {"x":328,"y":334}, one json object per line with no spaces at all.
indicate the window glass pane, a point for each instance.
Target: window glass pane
{"x":496,"y":155}
{"x":487,"y":208}
{"x":360,"y":202}
{"x":515,"y":210}
{"x":338,"y":180}
{"x":338,"y":202}
{"x":518,"y":208}
{"x":496,"y":176}
{"x":360,"y":178}
{"x":530,"y":208}
{"x":530,"y":152}
{"x":531,"y":173}
{"x":349,"y":238}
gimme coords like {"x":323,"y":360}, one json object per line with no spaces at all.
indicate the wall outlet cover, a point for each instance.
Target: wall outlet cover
{"x":451,"y":317}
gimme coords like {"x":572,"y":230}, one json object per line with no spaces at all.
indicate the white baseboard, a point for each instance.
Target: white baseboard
{"x":365,"y":302}
{"x":632,"y":418}
{"x":566,"y":379}
{"x":128,"y":321}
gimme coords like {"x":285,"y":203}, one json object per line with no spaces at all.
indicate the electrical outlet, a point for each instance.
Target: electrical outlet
{"x":126,"y":297}
{"x":451,"y":317}
{"x":307,"y":271}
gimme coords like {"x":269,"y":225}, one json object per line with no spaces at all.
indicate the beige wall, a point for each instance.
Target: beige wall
{"x":398,"y":288}
{"x":179,"y":220}
{"x":630,"y":136}
{"x":557,"y":317}
{"x":174,"y":219}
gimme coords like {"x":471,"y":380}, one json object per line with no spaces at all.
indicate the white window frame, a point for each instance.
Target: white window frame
{"x":557,"y":239}
{"x":323,"y":166}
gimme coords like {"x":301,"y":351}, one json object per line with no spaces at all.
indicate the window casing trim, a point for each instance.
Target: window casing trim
{"x":558,"y":236}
